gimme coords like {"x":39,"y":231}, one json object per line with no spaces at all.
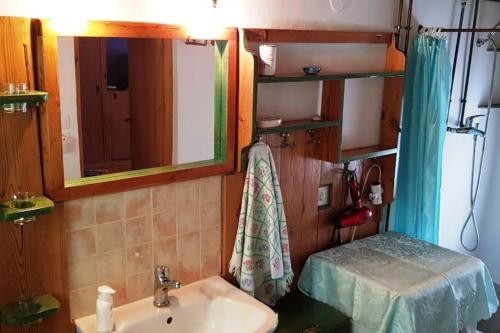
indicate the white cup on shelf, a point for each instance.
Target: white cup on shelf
{"x":267,"y":53}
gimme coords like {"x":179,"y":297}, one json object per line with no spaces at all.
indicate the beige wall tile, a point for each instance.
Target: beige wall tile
{"x":82,"y":273}
{"x":111,"y":266}
{"x":211,"y":239}
{"x":188,"y":219}
{"x":120,"y":297}
{"x":139,"y":286}
{"x":138,"y":230}
{"x":164,"y":224}
{"x":82,"y":301}
{"x":165,"y":252}
{"x":210,"y":214}
{"x":139,"y":258}
{"x":137,"y":202}
{"x":81,"y":243}
{"x":187,"y":194}
{"x":79,"y":213}
{"x":210,"y":189}
{"x":189,"y":257}
{"x":110,"y":236}
{"x":109,"y":207}
{"x":163,"y":198}
{"x":210,"y":264}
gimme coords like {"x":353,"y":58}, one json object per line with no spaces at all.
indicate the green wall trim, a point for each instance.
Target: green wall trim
{"x":221,"y":99}
{"x":327,"y":76}
{"x":138,"y":173}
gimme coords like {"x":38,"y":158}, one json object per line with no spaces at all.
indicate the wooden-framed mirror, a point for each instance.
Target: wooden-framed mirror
{"x":133,"y":105}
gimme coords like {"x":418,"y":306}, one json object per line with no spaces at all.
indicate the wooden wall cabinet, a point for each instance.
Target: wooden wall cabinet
{"x":304,"y":167}
{"x":330,"y":127}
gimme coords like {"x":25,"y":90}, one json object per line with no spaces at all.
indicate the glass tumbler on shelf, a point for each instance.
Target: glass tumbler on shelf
{"x":9,"y":89}
{"x":21,"y":88}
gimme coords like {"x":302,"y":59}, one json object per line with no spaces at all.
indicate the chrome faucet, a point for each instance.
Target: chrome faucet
{"x":469,"y":127}
{"x":162,"y":285}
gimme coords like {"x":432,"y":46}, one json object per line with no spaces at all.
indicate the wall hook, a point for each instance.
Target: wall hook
{"x":312,"y":139}
{"x":284,"y":140}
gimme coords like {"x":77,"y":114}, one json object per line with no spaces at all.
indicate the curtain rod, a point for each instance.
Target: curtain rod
{"x":460,"y":30}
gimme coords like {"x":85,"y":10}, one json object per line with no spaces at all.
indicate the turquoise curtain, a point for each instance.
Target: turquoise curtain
{"x":427,"y":86}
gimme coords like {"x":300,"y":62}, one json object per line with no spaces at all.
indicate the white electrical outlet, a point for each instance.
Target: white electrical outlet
{"x":324,"y":196}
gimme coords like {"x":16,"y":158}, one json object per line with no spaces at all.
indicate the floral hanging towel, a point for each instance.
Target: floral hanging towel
{"x":261,"y":255}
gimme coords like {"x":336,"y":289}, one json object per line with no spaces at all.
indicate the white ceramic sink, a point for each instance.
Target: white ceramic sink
{"x":211,"y":305}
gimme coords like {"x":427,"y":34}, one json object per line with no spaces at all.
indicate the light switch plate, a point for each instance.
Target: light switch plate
{"x":324,"y":196}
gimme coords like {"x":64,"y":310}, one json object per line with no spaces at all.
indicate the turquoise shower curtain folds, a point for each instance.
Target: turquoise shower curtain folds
{"x":427,"y":93}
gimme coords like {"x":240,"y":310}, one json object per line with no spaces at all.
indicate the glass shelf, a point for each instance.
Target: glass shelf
{"x":8,"y":212}
{"x":297,"y":125}
{"x":326,"y":76}
{"x":30,"y":311}
{"x":366,"y":152}
{"x":32,"y":98}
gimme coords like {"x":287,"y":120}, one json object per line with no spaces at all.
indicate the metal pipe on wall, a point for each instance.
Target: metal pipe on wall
{"x":463,"y":99}
{"x":407,"y":27}
{"x":455,"y":57}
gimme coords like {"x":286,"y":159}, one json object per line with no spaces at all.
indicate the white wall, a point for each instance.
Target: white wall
{"x":193,"y":102}
{"x":360,"y":15}
{"x":69,"y":113}
{"x":458,"y":148}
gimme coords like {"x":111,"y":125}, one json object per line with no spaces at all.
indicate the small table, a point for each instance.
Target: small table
{"x":393,"y":283}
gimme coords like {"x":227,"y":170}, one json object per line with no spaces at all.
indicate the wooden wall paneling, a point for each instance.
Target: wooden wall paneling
{"x":247,"y":96}
{"x":292,"y":187}
{"x":332,"y":101}
{"x":231,"y":203}
{"x":47,"y":78}
{"x":391,"y":112}
{"x":33,"y":257}
{"x":331,"y":174}
{"x":312,"y":179}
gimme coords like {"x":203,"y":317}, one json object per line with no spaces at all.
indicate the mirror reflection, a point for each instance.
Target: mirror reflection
{"x":137,"y":103}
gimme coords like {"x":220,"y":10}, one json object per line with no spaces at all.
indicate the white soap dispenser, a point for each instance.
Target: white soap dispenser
{"x":104,"y":309}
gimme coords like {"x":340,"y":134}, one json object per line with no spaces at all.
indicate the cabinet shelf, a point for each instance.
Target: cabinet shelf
{"x":366,"y":152}
{"x":43,"y":205}
{"x":298,"y":125}
{"x":326,"y":76}
{"x":32,"y":98}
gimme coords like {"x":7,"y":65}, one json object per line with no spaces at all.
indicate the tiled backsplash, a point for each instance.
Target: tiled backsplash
{"x":117,"y":239}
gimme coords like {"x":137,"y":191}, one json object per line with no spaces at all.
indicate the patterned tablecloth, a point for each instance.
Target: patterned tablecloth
{"x":393,"y":283}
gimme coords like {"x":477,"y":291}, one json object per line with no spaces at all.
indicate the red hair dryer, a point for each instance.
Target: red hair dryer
{"x":355,"y":214}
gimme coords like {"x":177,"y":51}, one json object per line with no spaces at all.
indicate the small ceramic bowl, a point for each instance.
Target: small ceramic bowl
{"x":311,"y":70}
